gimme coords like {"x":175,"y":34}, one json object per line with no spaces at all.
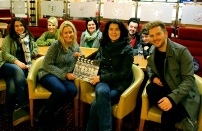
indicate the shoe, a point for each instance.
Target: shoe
{"x":41,"y":119}
{"x":40,"y":115}
{"x":19,"y":116}
{"x":189,"y":125}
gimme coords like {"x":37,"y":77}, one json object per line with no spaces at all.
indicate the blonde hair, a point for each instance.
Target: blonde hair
{"x":53,"y":20}
{"x":60,"y":37}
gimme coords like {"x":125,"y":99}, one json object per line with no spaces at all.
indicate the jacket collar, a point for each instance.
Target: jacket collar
{"x":169,"y":48}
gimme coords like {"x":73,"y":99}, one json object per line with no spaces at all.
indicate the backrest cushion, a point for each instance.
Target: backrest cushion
{"x":188,"y":33}
{"x":80,"y":26}
{"x":42,"y":23}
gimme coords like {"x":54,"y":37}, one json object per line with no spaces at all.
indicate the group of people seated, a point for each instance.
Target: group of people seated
{"x":170,"y":69}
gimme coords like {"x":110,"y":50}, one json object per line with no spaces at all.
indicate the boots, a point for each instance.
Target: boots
{"x":41,"y":118}
{"x":40,"y":114}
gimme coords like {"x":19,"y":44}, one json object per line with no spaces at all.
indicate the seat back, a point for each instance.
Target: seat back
{"x":32,"y":76}
{"x":198,"y":80}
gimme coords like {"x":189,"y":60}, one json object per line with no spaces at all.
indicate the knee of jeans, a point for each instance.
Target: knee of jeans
{"x":101,"y":91}
{"x":17,"y":70}
{"x":73,"y":93}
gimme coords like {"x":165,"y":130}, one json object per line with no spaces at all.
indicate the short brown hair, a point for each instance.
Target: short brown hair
{"x":144,"y":30}
{"x":156,"y":23}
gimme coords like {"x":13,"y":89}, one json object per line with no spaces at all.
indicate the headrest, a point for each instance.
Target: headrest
{"x":42,"y":23}
{"x":190,"y":33}
{"x":80,"y":25}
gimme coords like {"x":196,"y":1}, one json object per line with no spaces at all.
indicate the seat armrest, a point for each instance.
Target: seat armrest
{"x":200,"y":116}
{"x":77,"y":83}
{"x":85,"y":87}
{"x":145,"y":103}
{"x":32,"y":76}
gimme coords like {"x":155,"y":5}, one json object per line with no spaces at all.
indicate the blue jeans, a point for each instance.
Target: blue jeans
{"x":100,"y":117}
{"x":63,"y":91}
{"x":16,"y":86}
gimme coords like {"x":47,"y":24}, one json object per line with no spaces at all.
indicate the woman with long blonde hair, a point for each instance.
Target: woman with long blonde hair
{"x":56,"y":75}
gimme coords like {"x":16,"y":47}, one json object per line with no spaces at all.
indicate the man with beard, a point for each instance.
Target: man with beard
{"x":133,"y":35}
{"x":172,"y":86}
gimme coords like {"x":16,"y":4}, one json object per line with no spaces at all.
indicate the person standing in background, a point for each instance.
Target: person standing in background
{"x":48,"y":37}
{"x":91,"y":37}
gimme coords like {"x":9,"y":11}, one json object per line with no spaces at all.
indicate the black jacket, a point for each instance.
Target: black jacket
{"x":116,"y":61}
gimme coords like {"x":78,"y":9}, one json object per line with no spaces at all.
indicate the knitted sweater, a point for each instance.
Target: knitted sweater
{"x":57,"y":61}
{"x":47,"y":39}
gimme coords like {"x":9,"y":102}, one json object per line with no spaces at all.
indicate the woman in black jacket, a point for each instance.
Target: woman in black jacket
{"x":115,"y":74}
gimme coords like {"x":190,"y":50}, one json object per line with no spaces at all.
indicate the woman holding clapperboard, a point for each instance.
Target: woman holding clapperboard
{"x":115,"y":75}
{"x":56,"y":75}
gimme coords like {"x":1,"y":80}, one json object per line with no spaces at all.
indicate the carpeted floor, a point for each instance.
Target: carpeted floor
{"x":64,"y":121}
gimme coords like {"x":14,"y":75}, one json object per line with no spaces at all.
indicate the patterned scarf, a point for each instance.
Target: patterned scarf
{"x":24,"y":40}
{"x":91,"y":37}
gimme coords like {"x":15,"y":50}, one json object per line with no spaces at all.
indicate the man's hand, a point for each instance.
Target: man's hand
{"x":165,"y":104}
{"x":157,"y":81}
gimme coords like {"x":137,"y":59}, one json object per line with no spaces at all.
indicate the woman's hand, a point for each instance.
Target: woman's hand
{"x":70,"y":76}
{"x":77,"y":54}
{"x":95,"y":80}
{"x":20,"y":64}
{"x":157,"y":81}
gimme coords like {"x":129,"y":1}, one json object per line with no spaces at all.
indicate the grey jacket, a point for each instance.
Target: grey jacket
{"x":179,"y":74}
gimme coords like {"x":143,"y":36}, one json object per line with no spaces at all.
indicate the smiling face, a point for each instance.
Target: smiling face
{"x":19,"y":28}
{"x":132,"y":28}
{"x":68,"y":34}
{"x":51,"y":28}
{"x":114,"y":32}
{"x":91,"y":27}
{"x":158,"y":38}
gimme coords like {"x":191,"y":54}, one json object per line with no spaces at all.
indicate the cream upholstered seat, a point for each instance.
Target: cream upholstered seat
{"x":36,"y":91}
{"x":154,"y":114}
{"x":2,"y":81}
{"x":2,"y":85}
{"x":127,"y":102}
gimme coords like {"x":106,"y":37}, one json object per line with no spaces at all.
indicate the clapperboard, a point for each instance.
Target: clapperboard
{"x":85,"y":69}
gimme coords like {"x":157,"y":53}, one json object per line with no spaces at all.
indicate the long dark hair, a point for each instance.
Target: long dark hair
{"x":92,"y":19}
{"x":105,"y":35}
{"x":12,"y":32}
